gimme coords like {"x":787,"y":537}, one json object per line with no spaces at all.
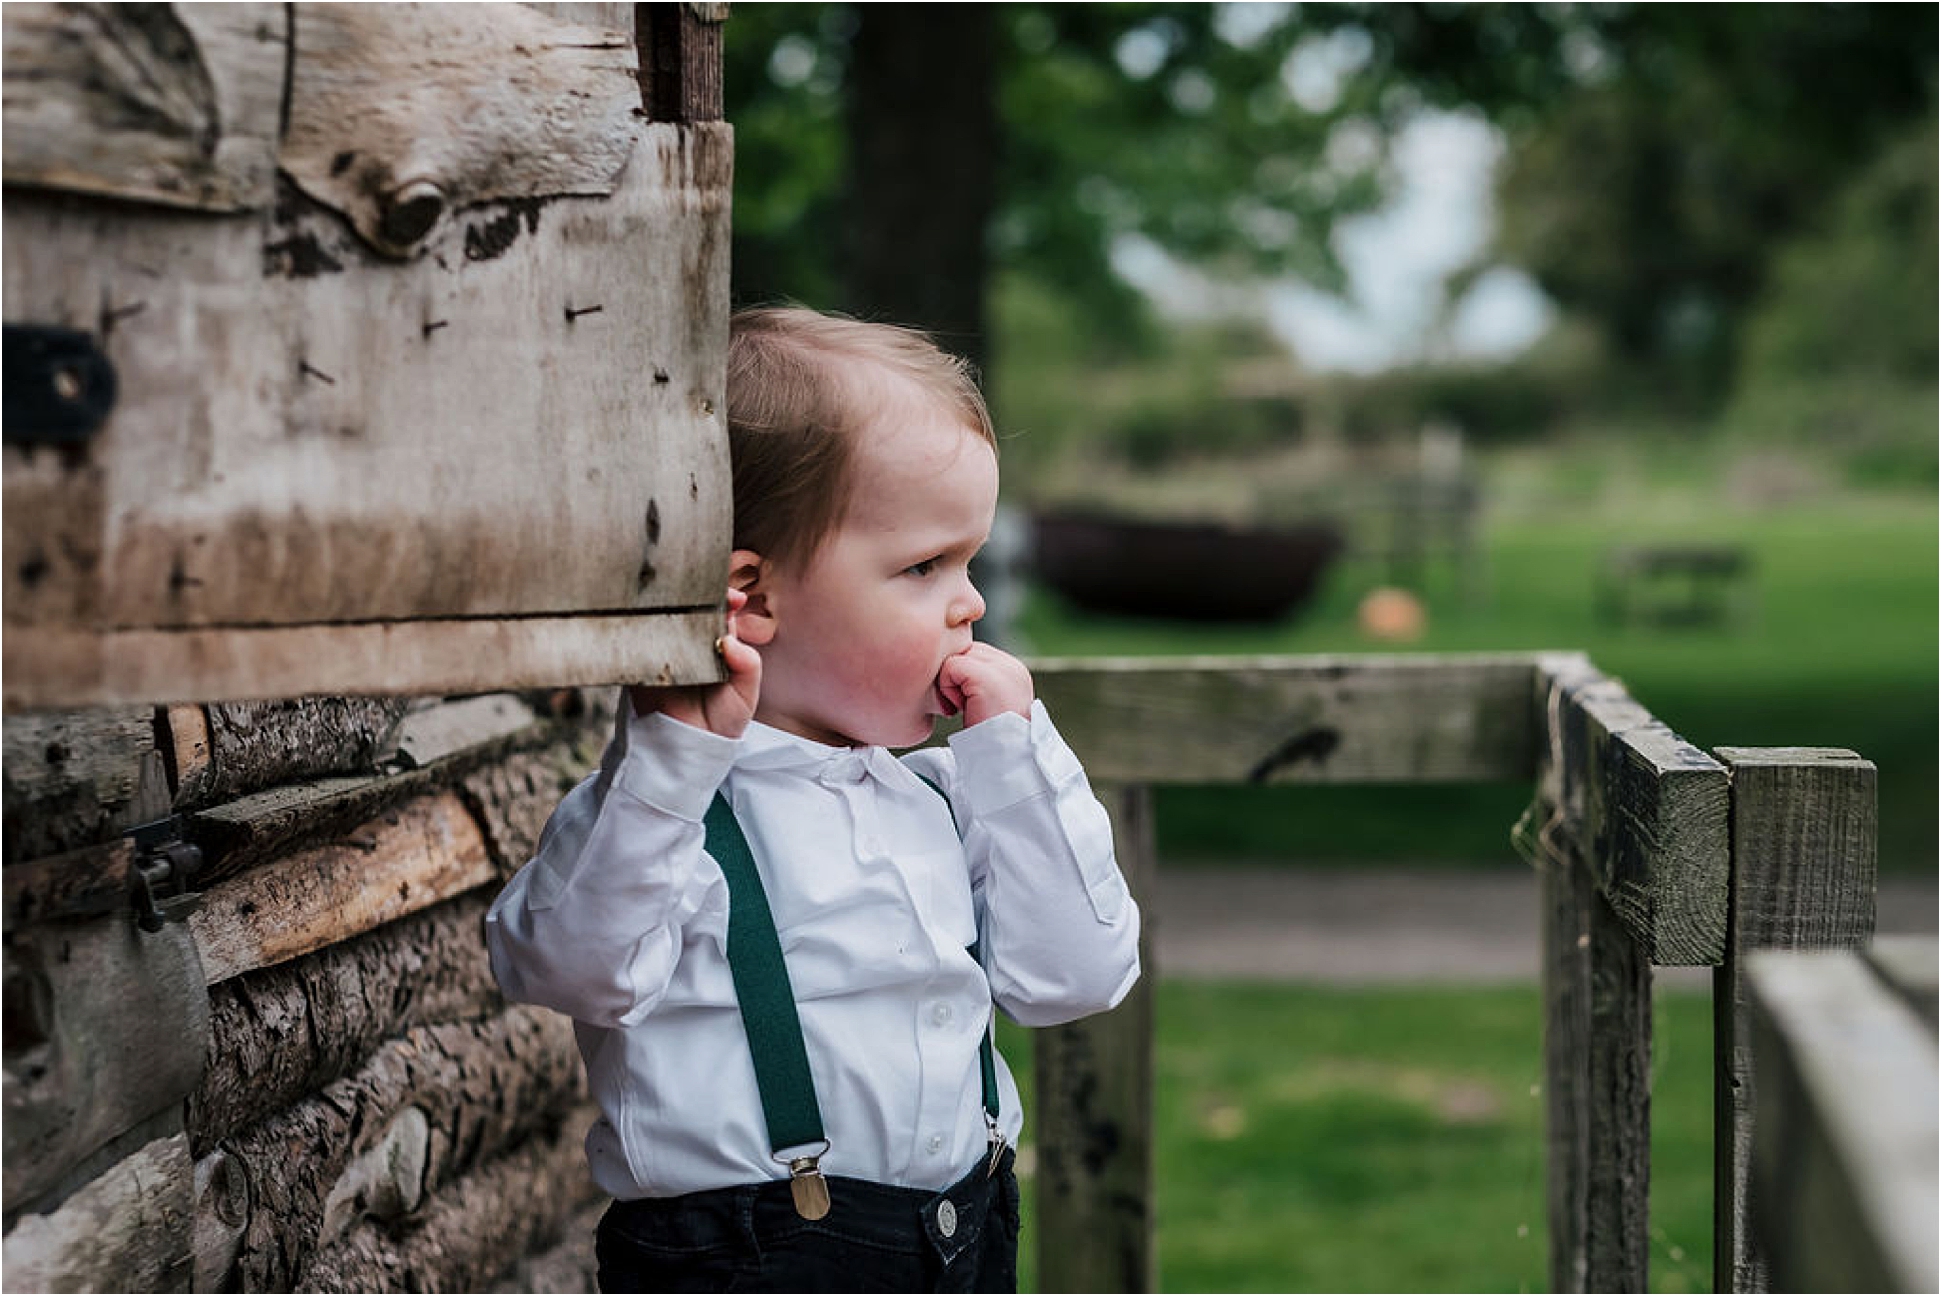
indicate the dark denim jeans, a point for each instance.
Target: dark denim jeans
{"x":875,"y":1238}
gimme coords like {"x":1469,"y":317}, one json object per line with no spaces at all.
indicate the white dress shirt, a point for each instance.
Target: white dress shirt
{"x":620,"y":921}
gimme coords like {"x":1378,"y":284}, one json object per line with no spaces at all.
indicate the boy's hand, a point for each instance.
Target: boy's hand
{"x":724,"y":708}
{"x":983,"y":681}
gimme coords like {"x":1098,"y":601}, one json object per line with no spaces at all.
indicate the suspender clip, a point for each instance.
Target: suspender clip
{"x":807,"y":1188}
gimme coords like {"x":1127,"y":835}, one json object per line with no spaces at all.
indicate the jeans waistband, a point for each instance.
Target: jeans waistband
{"x":885,"y":1216}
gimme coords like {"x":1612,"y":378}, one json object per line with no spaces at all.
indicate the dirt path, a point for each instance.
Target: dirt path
{"x":1390,"y":925}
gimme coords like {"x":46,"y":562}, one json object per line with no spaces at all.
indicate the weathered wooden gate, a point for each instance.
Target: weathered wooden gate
{"x":350,"y":350}
{"x":1650,"y":852}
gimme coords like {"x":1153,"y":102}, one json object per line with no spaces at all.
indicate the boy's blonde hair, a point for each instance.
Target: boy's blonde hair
{"x":802,"y":385}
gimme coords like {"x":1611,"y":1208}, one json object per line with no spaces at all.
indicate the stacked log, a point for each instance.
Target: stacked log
{"x":305,"y":1079}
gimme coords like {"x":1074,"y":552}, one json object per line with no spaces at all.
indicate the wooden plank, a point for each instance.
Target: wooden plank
{"x":1804,"y":831}
{"x":1906,"y":965}
{"x":86,"y":883}
{"x":172,"y":104}
{"x":296,"y":440}
{"x":441,"y":730}
{"x":1845,"y":1136}
{"x":1093,"y":1115}
{"x":303,"y":446}
{"x":1597,"y":1087}
{"x":424,"y":851}
{"x":73,"y":779}
{"x":1650,"y":810}
{"x":438,"y":744}
{"x":402,"y":116}
{"x":1296,"y":719}
{"x":680,"y":62}
{"x":107,"y":1026}
{"x":79,"y":668}
{"x":128,"y":1230}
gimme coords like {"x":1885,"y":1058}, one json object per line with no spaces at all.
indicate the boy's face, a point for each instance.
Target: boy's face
{"x":861,"y":631}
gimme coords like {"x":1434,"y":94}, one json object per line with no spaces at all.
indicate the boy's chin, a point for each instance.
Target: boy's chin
{"x":918,"y":734}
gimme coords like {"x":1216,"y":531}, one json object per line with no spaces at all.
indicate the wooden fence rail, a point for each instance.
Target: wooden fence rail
{"x":305,"y":1077}
{"x":1650,"y":852}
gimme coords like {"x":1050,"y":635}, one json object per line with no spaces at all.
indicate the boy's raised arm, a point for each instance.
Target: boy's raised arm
{"x":592,"y":925}
{"x":1061,"y":938}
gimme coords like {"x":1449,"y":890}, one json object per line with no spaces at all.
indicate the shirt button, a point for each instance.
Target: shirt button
{"x":941,"y":1014}
{"x":936,"y":1144}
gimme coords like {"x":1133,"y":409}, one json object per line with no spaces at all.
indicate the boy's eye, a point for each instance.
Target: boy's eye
{"x":923,"y":568}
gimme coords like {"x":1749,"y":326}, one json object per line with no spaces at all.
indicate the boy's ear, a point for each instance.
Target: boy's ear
{"x":753,"y":575}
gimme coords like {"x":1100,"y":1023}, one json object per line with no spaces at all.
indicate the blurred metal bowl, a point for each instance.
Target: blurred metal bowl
{"x":1189,"y":571}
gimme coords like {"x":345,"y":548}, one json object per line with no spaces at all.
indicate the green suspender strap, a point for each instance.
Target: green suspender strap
{"x":768,"y":1014}
{"x":774,"y":1030}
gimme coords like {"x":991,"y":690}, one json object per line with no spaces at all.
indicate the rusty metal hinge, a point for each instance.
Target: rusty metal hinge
{"x":164,"y":869}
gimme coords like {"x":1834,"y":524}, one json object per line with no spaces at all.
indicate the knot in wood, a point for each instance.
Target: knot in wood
{"x":409,"y":213}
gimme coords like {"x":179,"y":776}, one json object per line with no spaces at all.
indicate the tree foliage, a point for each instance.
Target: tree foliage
{"x":1655,"y":197}
{"x":1659,"y":154}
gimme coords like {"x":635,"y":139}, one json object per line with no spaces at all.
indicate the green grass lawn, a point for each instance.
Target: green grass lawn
{"x":1317,"y":1139}
{"x":1837,"y":648}
{"x":1314,"y":1139}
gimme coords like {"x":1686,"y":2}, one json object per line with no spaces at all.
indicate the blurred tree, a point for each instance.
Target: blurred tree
{"x":1654,"y":198}
{"x":886,"y":153}
{"x":889,"y":154}
{"x":1840,"y":348}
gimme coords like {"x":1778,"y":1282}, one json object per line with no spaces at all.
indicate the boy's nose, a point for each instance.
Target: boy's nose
{"x":969,"y":606}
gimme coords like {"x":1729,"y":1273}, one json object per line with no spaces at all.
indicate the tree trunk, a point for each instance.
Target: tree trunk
{"x":414,"y":856}
{"x":569,"y":1266}
{"x":922,"y":126}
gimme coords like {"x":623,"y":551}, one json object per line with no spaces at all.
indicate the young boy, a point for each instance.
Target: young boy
{"x":797,"y":1089}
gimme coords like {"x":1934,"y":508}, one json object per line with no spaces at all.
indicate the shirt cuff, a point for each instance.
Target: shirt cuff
{"x":673,"y":766}
{"x":1008,"y":759}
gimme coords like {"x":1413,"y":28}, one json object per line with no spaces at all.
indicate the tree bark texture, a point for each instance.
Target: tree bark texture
{"x":428,"y":1109}
{"x":75,"y":778}
{"x":410,"y":858}
{"x":513,"y":798}
{"x":475,"y":1230}
{"x":246,"y":746}
{"x":287,"y":1031}
{"x":569,"y":1266}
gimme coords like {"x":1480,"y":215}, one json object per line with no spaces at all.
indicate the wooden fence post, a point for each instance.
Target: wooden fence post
{"x":1804,"y":829}
{"x":1597,"y":1070}
{"x":1629,"y":832}
{"x":1094,"y":1111}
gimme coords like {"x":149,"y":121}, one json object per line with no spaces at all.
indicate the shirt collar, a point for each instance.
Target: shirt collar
{"x":764,"y":747}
